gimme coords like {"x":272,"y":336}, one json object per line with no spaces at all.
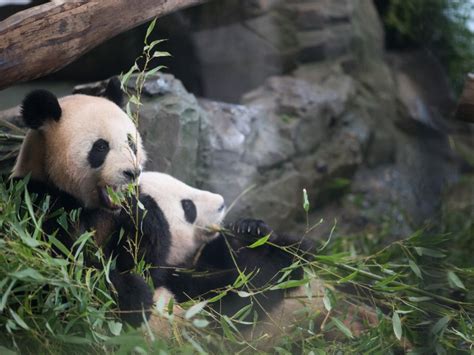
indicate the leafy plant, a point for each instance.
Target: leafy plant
{"x":442,"y":26}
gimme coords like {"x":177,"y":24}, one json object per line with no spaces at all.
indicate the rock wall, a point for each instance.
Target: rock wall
{"x":320,"y":106}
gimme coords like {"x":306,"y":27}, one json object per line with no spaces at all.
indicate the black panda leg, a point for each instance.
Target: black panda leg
{"x":134,"y":297}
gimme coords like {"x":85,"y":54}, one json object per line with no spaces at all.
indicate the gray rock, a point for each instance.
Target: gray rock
{"x":222,"y":166}
{"x":242,"y":53}
{"x":170,"y":124}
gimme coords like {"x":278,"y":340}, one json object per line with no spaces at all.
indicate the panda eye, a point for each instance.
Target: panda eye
{"x":100,"y":145}
{"x":189,"y":209}
{"x":98,"y":153}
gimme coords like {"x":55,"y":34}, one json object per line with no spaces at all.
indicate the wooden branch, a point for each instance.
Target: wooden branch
{"x":45,"y":38}
{"x":465,"y":109}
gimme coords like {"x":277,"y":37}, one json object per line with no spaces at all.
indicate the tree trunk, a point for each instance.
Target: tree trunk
{"x":45,"y":38}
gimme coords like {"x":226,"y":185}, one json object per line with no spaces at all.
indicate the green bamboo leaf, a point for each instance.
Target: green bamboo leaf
{"x":155,"y":70}
{"x":289,"y":284}
{"x":150,"y":29}
{"x":115,"y":327}
{"x":244,"y":294}
{"x":159,"y":54}
{"x":243,"y":312}
{"x":25,"y":238}
{"x":440,"y":325}
{"x":154,"y":43}
{"x":170,"y":305}
{"x":455,"y":280}
{"x":260,"y":242}
{"x":198,"y":307}
{"x":342,"y":327}
{"x":415,"y":269}
{"x":27,"y":273}
{"x":135,"y":100}
{"x":18,"y":320}
{"x":305,"y":200}
{"x":217,"y":297}
{"x":429,"y":252}
{"x":29,"y":205}
{"x":4,"y":299}
{"x":348,"y":277}
{"x":327,"y":303}
{"x":397,"y":325}
{"x":125,"y":77}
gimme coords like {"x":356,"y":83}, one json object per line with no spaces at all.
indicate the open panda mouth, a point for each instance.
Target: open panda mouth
{"x":105,"y":199}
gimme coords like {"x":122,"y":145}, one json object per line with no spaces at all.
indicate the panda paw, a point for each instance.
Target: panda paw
{"x":252,"y":229}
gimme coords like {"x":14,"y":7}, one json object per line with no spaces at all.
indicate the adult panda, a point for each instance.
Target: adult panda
{"x":178,"y":232}
{"x":77,"y":147}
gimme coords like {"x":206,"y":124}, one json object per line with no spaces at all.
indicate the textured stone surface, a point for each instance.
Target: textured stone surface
{"x":170,"y":124}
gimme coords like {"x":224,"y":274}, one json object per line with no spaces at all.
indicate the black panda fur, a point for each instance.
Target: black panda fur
{"x":154,"y":235}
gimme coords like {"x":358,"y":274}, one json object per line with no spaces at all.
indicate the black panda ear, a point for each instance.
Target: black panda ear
{"x":113,"y":92}
{"x":39,"y":106}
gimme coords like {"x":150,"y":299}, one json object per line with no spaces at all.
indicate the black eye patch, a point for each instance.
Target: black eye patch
{"x":98,"y":153}
{"x":189,"y":209}
{"x":131,"y":143}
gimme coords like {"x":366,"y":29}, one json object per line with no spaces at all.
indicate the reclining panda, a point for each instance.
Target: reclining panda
{"x":192,"y":256}
{"x":180,"y":231}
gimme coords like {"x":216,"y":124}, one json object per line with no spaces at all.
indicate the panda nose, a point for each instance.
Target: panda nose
{"x":221,"y":208}
{"x":132,"y":174}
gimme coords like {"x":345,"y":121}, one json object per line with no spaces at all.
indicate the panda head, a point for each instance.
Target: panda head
{"x":191,"y":214}
{"x":80,"y":144}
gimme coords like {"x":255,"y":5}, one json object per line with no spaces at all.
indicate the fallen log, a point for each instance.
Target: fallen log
{"x":45,"y":38}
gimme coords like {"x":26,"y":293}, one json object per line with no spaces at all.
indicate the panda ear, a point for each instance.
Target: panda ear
{"x":113,"y":92}
{"x":39,"y":106}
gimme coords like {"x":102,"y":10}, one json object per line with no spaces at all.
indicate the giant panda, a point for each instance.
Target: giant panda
{"x":180,"y":231}
{"x":77,"y":147}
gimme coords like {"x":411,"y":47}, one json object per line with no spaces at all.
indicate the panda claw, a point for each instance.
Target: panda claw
{"x":249,"y":229}
{"x":258,"y":231}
